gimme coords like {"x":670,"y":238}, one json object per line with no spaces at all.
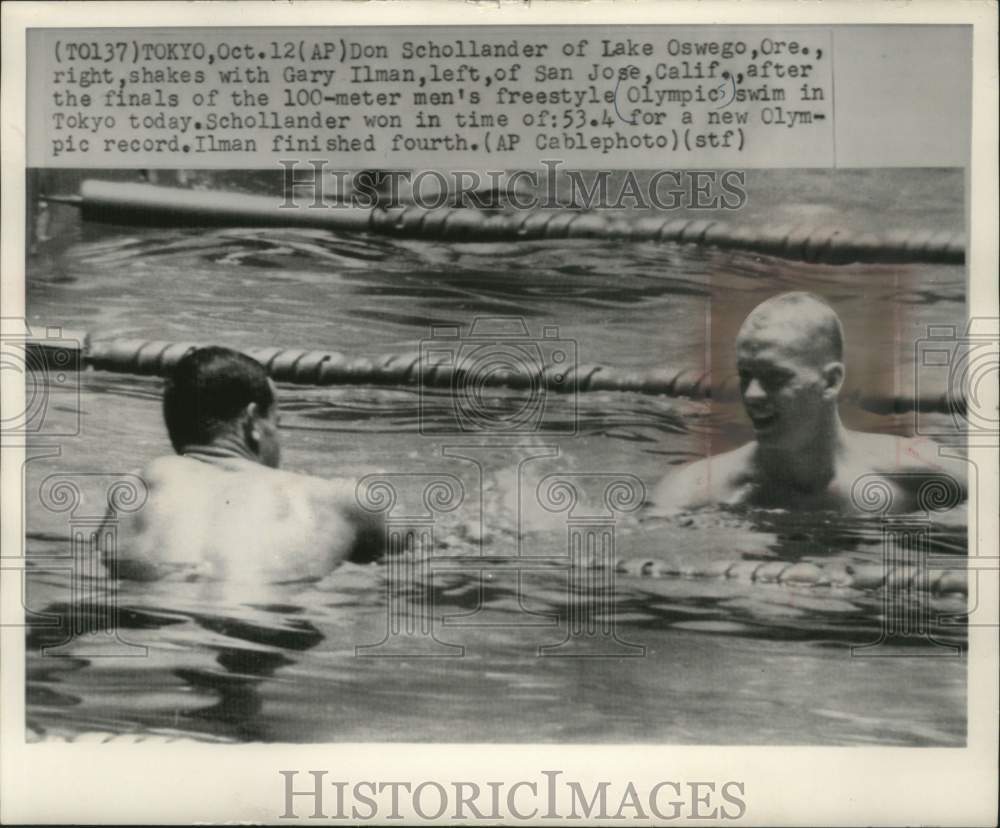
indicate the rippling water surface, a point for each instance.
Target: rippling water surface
{"x":694,"y":660}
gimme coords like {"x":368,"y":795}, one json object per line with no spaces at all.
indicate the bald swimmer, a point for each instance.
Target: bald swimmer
{"x":221,"y":508}
{"x":790,"y":360}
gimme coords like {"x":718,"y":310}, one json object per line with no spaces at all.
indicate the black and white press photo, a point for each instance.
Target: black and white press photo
{"x":555,"y":391}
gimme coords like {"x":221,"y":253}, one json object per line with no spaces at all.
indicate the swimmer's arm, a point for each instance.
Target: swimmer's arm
{"x":368,"y":540}
{"x":122,"y":564}
{"x":369,"y":537}
{"x":129,"y":559}
{"x":922,"y":455}
{"x":683,"y":490}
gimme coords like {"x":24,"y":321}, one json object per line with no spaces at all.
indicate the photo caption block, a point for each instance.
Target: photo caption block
{"x":440,"y":96}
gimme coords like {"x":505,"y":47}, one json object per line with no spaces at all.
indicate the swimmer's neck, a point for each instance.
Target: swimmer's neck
{"x":812,"y":466}
{"x":227,"y":447}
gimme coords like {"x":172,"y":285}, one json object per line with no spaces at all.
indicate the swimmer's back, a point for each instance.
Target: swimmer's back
{"x":238,"y":520}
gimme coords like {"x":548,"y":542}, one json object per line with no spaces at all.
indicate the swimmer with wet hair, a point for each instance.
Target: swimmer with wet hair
{"x":221,"y":507}
{"x":790,"y":353}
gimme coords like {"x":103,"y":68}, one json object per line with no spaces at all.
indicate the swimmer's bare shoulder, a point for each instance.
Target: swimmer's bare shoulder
{"x":137,"y":555}
{"x":336,"y":500}
{"x":917,"y":457}
{"x":722,"y":478}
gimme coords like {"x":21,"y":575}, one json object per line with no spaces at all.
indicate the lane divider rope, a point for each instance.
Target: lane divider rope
{"x":149,"y":205}
{"x":435,"y":369}
{"x":852,"y":576}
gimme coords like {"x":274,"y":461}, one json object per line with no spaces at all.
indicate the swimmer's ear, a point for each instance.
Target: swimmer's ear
{"x":251,"y":431}
{"x":834,"y":374}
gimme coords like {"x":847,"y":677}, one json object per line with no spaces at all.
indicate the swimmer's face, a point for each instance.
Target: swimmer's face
{"x":786,"y":387}
{"x":267,"y":445}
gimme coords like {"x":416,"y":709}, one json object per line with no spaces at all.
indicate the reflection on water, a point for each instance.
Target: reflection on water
{"x":695,"y":658}
{"x":724,"y":659}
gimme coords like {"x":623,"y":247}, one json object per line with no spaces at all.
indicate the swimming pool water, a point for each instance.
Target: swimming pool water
{"x":724,"y":660}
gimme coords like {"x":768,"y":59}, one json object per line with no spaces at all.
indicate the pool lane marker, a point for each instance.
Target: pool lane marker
{"x":430,"y":369}
{"x":147,"y":204}
{"x":867,"y":577}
